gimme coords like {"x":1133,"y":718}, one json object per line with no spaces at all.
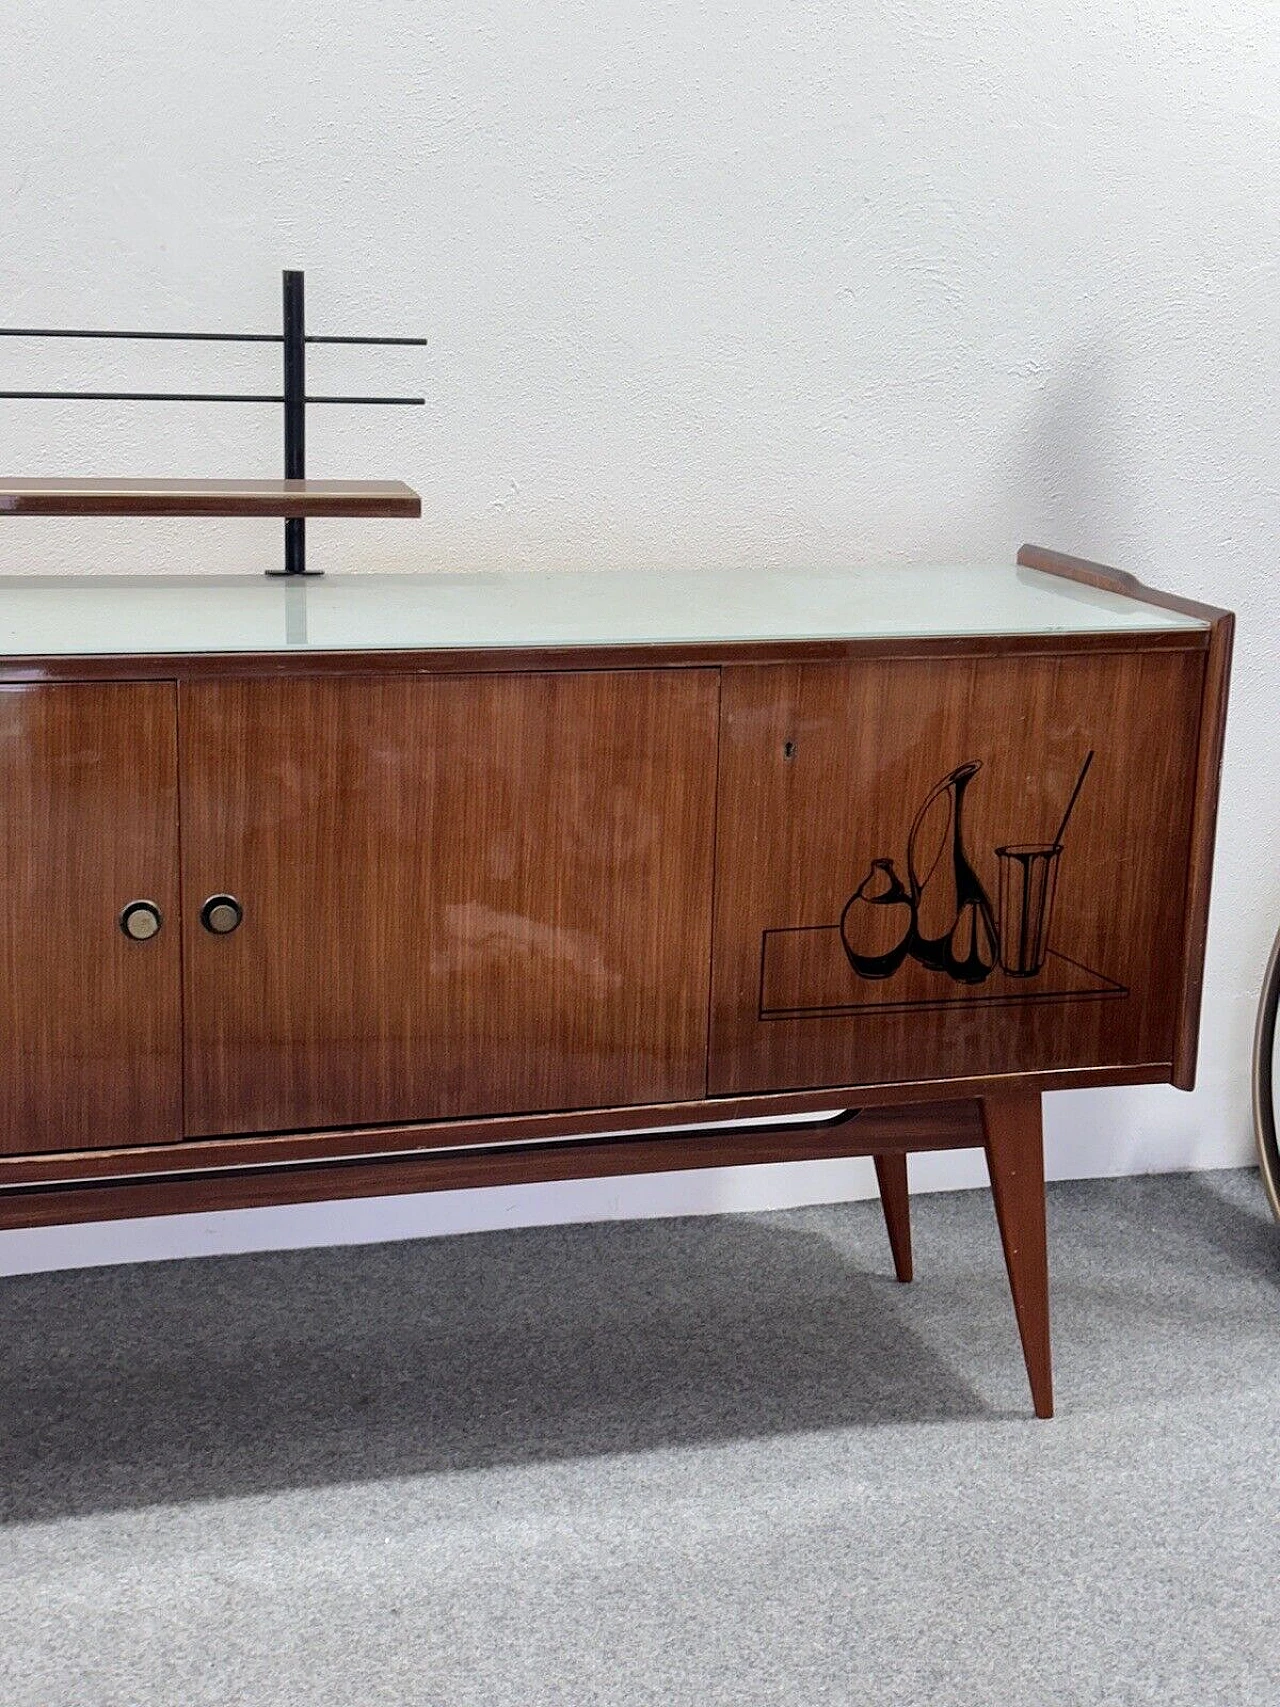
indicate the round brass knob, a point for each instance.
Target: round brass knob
{"x":221,"y":914}
{"x":140,"y":920}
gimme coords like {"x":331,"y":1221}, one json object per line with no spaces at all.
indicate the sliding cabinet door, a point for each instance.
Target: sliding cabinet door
{"x":445,"y":896}
{"x":940,"y":867}
{"x":89,"y":931}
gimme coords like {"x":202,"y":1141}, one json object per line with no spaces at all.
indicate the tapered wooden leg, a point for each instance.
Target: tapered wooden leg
{"x":891,"y":1172}
{"x":1015,"y":1158}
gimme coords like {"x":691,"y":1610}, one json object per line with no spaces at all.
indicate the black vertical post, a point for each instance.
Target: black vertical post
{"x":295,"y":416}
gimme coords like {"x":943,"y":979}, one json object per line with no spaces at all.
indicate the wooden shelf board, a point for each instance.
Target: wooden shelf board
{"x":48,"y":497}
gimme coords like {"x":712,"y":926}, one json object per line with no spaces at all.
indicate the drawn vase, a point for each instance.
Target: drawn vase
{"x":955,"y":927}
{"x":877,"y":922}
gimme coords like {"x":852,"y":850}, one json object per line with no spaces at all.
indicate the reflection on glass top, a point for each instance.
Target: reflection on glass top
{"x":81,"y":615}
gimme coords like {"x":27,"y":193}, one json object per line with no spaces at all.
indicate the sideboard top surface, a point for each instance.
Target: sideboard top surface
{"x":86,"y":615}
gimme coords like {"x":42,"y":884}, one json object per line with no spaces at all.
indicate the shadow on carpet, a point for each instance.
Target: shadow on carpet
{"x":232,"y":1375}
{"x":229,"y":1376}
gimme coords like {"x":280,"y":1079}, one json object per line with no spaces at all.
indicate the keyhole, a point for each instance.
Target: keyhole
{"x":788,"y":750}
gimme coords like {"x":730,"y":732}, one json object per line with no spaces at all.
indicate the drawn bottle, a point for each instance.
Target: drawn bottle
{"x":877,"y":922}
{"x":955,"y":928}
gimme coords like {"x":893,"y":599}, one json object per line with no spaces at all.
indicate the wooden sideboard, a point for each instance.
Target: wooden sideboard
{"x":380,"y":884}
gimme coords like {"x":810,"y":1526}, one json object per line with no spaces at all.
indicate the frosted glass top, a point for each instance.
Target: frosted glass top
{"x":83,"y":615}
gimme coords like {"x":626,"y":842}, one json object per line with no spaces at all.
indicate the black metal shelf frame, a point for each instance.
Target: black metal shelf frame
{"x":294,"y":339}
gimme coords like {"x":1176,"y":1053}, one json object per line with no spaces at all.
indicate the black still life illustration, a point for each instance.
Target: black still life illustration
{"x":938,"y":916}
{"x":945,"y":919}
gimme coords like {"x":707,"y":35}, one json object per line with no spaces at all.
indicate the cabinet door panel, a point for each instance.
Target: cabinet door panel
{"x":89,"y":1020}
{"x":462,"y":895}
{"x":868,"y":930}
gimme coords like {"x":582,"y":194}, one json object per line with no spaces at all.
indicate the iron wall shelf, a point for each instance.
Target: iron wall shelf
{"x":294,"y":498}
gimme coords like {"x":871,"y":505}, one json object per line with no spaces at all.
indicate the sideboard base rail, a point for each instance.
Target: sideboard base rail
{"x":679,"y":1120}
{"x":898,"y":1129}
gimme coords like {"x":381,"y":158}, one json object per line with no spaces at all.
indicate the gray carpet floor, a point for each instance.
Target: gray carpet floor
{"x":723,"y":1460}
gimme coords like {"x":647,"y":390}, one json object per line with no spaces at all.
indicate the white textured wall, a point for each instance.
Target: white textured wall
{"x":738,"y":281}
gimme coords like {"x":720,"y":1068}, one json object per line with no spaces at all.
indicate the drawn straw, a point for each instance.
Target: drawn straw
{"x":1075,"y":795}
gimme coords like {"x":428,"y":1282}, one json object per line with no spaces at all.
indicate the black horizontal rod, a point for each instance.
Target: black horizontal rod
{"x":160,"y":337}
{"x":192,"y":337}
{"x":199,"y":397}
{"x":417,"y":343}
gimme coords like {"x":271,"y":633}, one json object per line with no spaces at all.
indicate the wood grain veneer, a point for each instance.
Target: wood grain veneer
{"x":837,"y":759}
{"x":461,"y":897}
{"x":115,"y":1157}
{"x":938,"y":1125}
{"x":89,"y":1021}
{"x":674,"y":655}
{"x":1209,"y":742}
